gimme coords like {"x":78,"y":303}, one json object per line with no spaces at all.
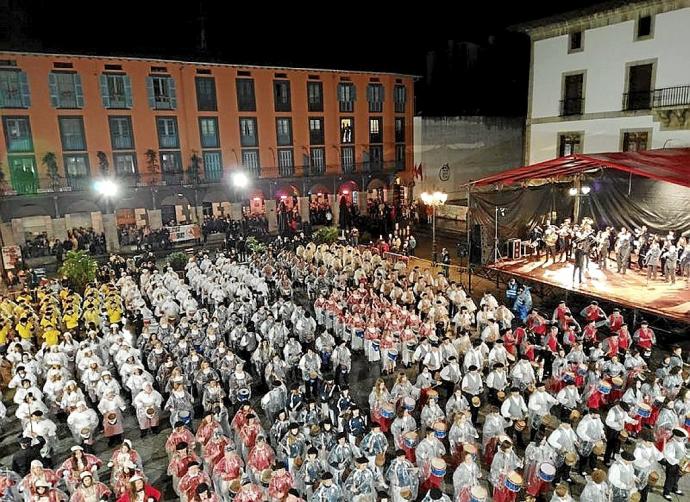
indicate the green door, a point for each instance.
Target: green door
{"x":23,"y":174}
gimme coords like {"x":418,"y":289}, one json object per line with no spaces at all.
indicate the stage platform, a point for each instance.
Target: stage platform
{"x":630,"y":290}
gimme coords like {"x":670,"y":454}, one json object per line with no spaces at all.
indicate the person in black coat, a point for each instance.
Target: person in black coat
{"x":21,"y":460}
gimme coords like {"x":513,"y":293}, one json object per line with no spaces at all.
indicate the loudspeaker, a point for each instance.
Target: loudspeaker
{"x":482,"y":245}
{"x":514,"y":249}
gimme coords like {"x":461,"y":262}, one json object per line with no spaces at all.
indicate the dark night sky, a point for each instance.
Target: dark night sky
{"x":371,"y":35}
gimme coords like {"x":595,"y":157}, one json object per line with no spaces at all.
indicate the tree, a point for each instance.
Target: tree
{"x":50,"y":161}
{"x":103,"y":163}
{"x":80,"y":270}
{"x":152,"y":161}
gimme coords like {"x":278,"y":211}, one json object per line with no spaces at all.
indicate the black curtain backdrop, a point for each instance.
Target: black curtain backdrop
{"x":616,"y":199}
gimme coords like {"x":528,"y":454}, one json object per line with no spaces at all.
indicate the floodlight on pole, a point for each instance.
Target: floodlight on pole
{"x":240,"y":180}
{"x":434,"y":200}
{"x":107,"y":188}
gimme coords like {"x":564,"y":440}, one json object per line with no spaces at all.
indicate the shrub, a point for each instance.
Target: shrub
{"x":177,"y":260}
{"x":255,"y":246}
{"x":80,"y":270}
{"x":326,"y":235}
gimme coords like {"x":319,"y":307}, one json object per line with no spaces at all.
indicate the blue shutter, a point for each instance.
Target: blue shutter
{"x":128,"y":91}
{"x":24,"y":90}
{"x":52,"y":84}
{"x":173,"y":96}
{"x":149,"y":90}
{"x":78,"y":91}
{"x":105,"y":95}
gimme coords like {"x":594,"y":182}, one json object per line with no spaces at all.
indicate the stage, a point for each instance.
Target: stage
{"x":629,"y":290}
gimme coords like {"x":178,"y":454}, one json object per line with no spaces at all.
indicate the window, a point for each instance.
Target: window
{"x":639,"y":95}
{"x":400,"y":98}
{"x":171,"y":167}
{"x":208,"y":128}
{"x":121,"y":134}
{"x":213,"y":166}
{"x":167,"y":132}
{"x":635,"y":141}
{"x":376,"y":157}
{"x":72,"y":133}
{"x":77,"y":171}
{"x":573,"y":97}
{"x":375,"y":98}
{"x":65,"y":90}
{"x":569,"y":143}
{"x":125,"y":164}
{"x":248,"y":136}
{"x":316,"y":136}
{"x":347,"y":159}
{"x":346,"y":97}
{"x":116,"y":91}
{"x":161,"y":91}
{"x":284,"y":132}
{"x":399,"y":130}
{"x":14,"y":89}
{"x":575,"y":41}
{"x":281,"y":95}
{"x":375,"y":130}
{"x":644,"y":27}
{"x":315,"y":94}
{"x":286,"y":162}
{"x":399,"y":157}
{"x":317,"y":161}
{"x":250,"y":161}
{"x":246,"y":102}
{"x":23,"y":173}
{"x":347,"y":130}
{"x":206,"y":94}
{"x":17,"y":134}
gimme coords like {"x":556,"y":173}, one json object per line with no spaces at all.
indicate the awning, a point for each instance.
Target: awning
{"x":671,"y":165}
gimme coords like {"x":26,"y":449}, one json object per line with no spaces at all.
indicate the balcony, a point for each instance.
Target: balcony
{"x":678,"y":96}
{"x":572,"y":106}
{"x":286,"y":170}
{"x":78,"y":182}
{"x":640,"y":100}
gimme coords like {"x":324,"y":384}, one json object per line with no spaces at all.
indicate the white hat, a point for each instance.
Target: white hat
{"x":134,"y":478}
{"x":86,"y":474}
{"x":76,"y":448}
{"x":36,"y":463}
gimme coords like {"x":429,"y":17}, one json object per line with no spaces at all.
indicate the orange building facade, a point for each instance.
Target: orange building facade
{"x":68,"y":120}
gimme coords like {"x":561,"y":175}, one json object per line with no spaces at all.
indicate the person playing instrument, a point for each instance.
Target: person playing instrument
{"x":674,"y":454}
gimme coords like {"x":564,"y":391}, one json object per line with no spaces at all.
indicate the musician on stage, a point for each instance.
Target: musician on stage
{"x":622,"y":249}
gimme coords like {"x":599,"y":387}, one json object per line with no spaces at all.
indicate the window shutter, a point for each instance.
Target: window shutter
{"x":353,"y":93}
{"x":105,"y":95}
{"x":128,"y":91}
{"x":340,"y":92}
{"x":24,"y":89}
{"x":370,"y":93}
{"x":381,"y":98}
{"x":78,"y":91}
{"x":52,"y":84}
{"x":149,"y":90}
{"x":173,"y":96}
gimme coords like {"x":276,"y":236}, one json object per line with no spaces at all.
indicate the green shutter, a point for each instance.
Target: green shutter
{"x":105,"y":95}
{"x":52,"y":84}
{"x":24,"y":90}
{"x":173,"y":96}
{"x":149,"y":90}
{"x":128,"y":91}
{"x":78,"y":91}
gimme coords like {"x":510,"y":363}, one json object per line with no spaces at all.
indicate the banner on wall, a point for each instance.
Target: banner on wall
{"x":182,"y":233}
{"x":11,"y":256}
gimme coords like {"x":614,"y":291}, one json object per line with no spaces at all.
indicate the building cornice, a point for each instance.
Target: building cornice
{"x":597,"y":17}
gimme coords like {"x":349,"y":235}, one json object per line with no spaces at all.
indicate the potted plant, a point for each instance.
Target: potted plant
{"x":152,"y":162}
{"x":177,"y":261}
{"x":50,"y":161}
{"x":103,"y":164}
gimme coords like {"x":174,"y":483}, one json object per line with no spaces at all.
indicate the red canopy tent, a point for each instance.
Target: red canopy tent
{"x":669,"y":164}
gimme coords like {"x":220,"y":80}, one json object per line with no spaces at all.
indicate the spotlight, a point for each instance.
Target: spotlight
{"x":573,"y":191}
{"x":585,"y":189}
{"x":107,"y":188}
{"x":240,"y":180}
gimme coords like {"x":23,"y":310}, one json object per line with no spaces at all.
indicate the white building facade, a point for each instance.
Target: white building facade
{"x":613,"y":79}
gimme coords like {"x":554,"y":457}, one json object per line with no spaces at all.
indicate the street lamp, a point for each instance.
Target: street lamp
{"x":108,"y":189}
{"x":240,"y":180}
{"x":434,"y":200}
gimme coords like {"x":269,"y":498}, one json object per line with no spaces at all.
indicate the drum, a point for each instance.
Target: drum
{"x":410,"y":439}
{"x":604,"y":387}
{"x":547,"y":472}
{"x":582,"y":370}
{"x":476,"y":402}
{"x":617,"y":383}
{"x":687,"y":420}
{"x":520,"y":425}
{"x":387,"y":411}
{"x":440,"y":429}
{"x":393,"y":355}
{"x":150,"y":412}
{"x":313,"y":375}
{"x":599,"y":448}
{"x":243,"y":395}
{"x":111,"y":418}
{"x":513,"y":482}
{"x":406,"y":494}
{"x":478,"y":494}
{"x":500,"y":395}
{"x":570,"y":458}
{"x":644,"y":410}
{"x":568,"y":377}
{"x":653,"y":478}
{"x":431,"y":394}
{"x":411,"y":346}
{"x":359,"y":333}
{"x":438,"y":467}
{"x":380,"y":460}
{"x":408,"y":404}
{"x":85,"y":433}
{"x":375,"y":345}
{"x":185,"y":417}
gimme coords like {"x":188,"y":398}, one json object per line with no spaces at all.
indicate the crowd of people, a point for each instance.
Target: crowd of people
{"x":249,"y":362}
{"x":78,"y":239}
